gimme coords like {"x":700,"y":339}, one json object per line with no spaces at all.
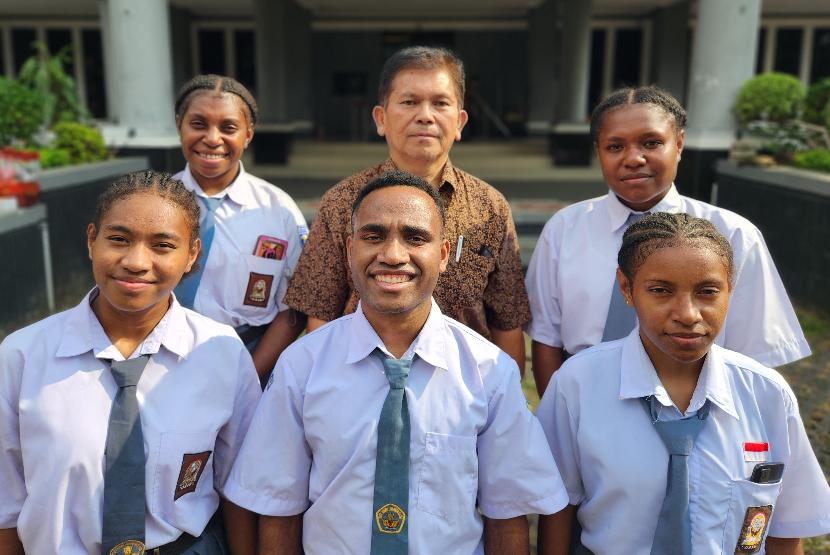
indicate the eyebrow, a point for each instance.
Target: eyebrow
{"x":407,"y":229}
{"x":127,"y":230}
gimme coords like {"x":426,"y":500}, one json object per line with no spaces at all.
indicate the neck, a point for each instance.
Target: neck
{"x":679,"y":378}
{"x":213,"y":185}
{"x":398,"y":331}
{"x":127,"y":330}
{"x":432,"y":171}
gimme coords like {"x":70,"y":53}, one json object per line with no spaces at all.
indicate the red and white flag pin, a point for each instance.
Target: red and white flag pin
{"x":756,"y":451}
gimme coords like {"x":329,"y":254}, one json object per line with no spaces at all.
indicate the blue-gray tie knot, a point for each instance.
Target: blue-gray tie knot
{"x":211,"y":203}
{"x":397,"y":372}
{"x":126,"y":373}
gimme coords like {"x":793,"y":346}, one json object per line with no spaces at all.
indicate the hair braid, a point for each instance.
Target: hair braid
{"x":641,"y":95}
{"x":215,"y":83}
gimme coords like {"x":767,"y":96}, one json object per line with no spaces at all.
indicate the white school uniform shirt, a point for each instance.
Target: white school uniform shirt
{"x":572,"y":273}
{"x":311,"y":446}
{"x":251,"y":208}
{"x":615,"y":465}
{"x":197,"y":394}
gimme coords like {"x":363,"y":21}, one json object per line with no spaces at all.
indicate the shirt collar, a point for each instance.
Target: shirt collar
{"x":430,"y":344}
{"x":239,"y":191}
{"x":85,"y":333}
{"x":618,"y":212}
{"x":639,"y":379}
{"x":449,"y":177}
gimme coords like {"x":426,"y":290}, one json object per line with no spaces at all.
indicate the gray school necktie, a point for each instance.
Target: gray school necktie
{"x":390,"y":505}
{"x":674,"y":533}
{"x":187,"y":287}
{"x":124,"y":491}
{"x":621,"y":318}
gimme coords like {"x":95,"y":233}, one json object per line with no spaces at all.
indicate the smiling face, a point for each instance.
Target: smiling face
{"x":139,"y":253}
{"x":396,"y":253}
{"x":422,"y":117}
{"x":681,"y":294}
{"x":214,"y":132}
{"x":639,"y":148}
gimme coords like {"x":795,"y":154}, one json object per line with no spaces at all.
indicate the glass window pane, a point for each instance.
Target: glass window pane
{"x":3,"y":68}
{"x":93,"y":56}
{"x":762,"y":48}
{"x":245,"y":58}
{"x":821,"y":54}
{"x":212,"y":51}
{"x":627,"y":48}
{"x":788,"y":50}
{"x":57,"y":40}
{"x":598,"y":37}
{"x":22,"y":39}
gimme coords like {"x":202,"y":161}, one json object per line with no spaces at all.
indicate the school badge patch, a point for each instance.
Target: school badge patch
{"x":193,"y":464}
{"x":390,"y":519}
{"x":752,"y":532}
{"x":129,"y":547}
{"x":259,"y":289}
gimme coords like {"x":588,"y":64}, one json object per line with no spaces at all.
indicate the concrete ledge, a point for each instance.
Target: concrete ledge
{"x":71,"y":176}
{"x":22,"y":217}
{"x":805,"y":181}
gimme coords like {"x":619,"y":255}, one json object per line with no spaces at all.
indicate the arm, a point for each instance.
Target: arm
{"x":507,"y":536}
{"x":784,"y":546}
{"x":546,"y":360}
{"x":511,"y":342}
{"x":280,"y":535}
{"x":240,"y":528}
{"x":555,"y":532}
{"x":280,"y":334}
{"x":314,"y":323}
{"x":9,"y":542}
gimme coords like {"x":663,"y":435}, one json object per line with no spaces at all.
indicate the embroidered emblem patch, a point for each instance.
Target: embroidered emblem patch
{"x":752,"y":532}
{"x":259,"y":289}
{"x":129,"y":547}
{"x":390,"y":519}
{"x":193,"y":464}
{"x":756,"y":452}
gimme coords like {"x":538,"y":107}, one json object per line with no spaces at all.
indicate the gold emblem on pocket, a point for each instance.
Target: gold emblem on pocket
{"x":751,"y":538}
{"x":129,"y":547}
{"x":390,"y":519}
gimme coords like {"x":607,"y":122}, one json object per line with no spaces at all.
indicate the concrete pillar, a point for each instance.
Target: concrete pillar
{"x":139,"y":37}
{"x":182,"y":51}
{"x":723,"y":57}
{"x":670,"y":49}
{"x":572,"y":106}
{"x":542,"y":66}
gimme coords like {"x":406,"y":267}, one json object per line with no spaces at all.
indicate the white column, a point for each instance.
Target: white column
{"x":723,"y":57}
{"x":576,"y":60}
{"x":543,"y":64}
{"x":139,"y":71}
{"x":270,"y":20}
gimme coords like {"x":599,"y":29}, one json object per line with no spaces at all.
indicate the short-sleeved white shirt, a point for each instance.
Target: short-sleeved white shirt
{"x":312,"y":442}
{"x":571,"y":276}
{"x":614,"y":463}
{"x":252,"y":208}
{"x":197,"y":394}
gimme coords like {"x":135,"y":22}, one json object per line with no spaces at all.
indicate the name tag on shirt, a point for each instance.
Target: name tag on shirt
{"x":756,"y":452}
{"x":270,"y":247}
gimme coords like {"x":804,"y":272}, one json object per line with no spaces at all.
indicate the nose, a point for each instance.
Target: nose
{"x":686,"y":310}
{"x":634,"y":157}
{"x":393,"y":253}
{"x":137,"y":259}
{"x":425,"y":114}
{"x":212,"y":136}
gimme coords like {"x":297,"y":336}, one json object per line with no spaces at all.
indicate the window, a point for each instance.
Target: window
{"x":93,"y":60}
{"x":598,"y":38}
{"x":22,"y":39}
{"x":762,"y":48}
{"x":628,"y":50}
{"x":57,"y":40}
{"x":245,"y":57}
{"x":821,"y":54}
{"x":788,"y":50}
{"x":212,"y":51}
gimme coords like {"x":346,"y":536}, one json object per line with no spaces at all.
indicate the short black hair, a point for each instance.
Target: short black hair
{"x":422,"y":57}
{"x":661,"y":230}
{"x":399,"y":178}
{"x":160,"y":184}
{"x":211,"y":82}
{"x":641,"y":95}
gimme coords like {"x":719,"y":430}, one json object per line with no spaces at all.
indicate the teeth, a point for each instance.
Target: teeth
{"x":212,"y":156}
{"x":388,"y":278}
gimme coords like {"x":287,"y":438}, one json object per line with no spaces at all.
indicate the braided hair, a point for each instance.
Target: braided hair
{"x":148,"y":181}
{"x":641,"y":95}
{"x":661,"y":230}
{"x":219,"y":84}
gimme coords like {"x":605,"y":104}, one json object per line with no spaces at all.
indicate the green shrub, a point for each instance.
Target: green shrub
{"x":83,"y":143}
{"x":818,"y":96}
{"x":771,"y":97}
{"x":46,"y":74}
{"x":818,"y":159}
{"x":21,"y":114}
{"x":54,"y":157}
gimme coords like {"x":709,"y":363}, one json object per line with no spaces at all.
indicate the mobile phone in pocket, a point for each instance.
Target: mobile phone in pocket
{"x":767,"y":473}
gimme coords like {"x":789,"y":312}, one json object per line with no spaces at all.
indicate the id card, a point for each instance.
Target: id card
{"x":270,"y":247}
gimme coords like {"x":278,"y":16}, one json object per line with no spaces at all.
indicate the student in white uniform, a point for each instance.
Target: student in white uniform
{"x":90,"y":462}
{"x":252,"y":231}
{"x":611,"y":412}
{"x":316,"y":458}
{"x":638,"y":135}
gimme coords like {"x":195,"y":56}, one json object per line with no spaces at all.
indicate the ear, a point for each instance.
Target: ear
{"x":681,"y":139}
{"x":462,"y":121}
{"x":179,"y":125}
{"x":625,"y":287}
{"x":445,"y":255}
{"x":90,"y":238}
{"x":249,"y":135}
{"x":349,"y":251}
{"x":193,"y":254}
{"x":379,"y":115}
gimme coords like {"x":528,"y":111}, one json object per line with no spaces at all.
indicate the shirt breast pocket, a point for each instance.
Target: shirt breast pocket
{"x":448,"y":477}
{"x":750,"y":509}
{"x":257,"y":280}
{"x":470,"y":276}
{"x":183,"y":489}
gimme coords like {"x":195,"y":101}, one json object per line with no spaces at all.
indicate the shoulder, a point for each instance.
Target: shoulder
{"x":589,"y":367}
{"x":753,"y":375}
{"x":273,"y":196}
{"x":478,"y":189}
{"x":493,"y":366}
{"x":345,"y":190}
{"x":731,"y":224}
{"x":208,"y":332}
{"x":330,"y":338}
{"x":37,"y":336}
{"x":573,"y":215}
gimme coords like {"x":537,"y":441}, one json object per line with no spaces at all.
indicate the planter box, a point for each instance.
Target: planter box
{"x":792,"y":209}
